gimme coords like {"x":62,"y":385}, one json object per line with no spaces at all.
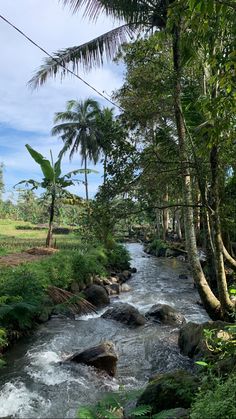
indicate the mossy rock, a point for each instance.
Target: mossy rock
{"x":178,"y":413}
{"x":192,"y":341}
{"x":170,"y":390}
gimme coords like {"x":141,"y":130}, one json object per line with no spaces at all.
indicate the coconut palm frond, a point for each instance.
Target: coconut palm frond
{"x":131,"y":11}
{"x":76,"y":303}
{"x":66,"y":116}
{"x":67,"y":127}
{"x":88,"y":54}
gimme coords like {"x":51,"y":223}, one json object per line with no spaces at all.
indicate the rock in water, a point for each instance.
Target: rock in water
{"x":192,"y":341}
{"x":125,"y":313}
{"x":102,"y":357}
{"x":96,"y":295}
{"x":165,"y":314}
{"x":170,"y":391}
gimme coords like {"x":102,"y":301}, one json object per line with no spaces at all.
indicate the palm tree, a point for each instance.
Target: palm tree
{"x":78,"y":131}
{"x":137,"y":14}
{"x":148,"y":14}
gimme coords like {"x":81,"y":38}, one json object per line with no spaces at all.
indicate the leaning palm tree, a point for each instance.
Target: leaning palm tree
{"x":134,"y":15}
{"x":78,"y":131}
{"x":140,"y":15}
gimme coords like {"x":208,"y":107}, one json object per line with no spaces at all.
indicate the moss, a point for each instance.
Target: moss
{"x":170,"y":390}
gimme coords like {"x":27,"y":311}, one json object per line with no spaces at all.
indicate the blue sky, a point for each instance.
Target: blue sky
{"x":26,"y":116}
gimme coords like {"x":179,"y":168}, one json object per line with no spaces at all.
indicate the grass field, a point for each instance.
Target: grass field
{"x":17,"y":236}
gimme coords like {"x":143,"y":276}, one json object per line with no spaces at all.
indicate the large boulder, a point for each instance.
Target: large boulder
{"x":169,"y":391}
{"x":192,"y":341}
{"x":165,"y":314}
{"x":96,"y":295}
{"x":125,"y":313}
{"x":102,"y":357}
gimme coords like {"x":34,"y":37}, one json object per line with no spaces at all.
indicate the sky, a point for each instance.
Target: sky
{"x":26,"y":116}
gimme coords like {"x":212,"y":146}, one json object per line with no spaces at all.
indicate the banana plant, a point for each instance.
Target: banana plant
{"x":53,"y":182}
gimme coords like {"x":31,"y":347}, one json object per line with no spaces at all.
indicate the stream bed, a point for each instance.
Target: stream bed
{"x":35,"y":385}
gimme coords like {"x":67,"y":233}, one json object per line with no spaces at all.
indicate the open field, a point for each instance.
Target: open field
{"x":18,"y":236}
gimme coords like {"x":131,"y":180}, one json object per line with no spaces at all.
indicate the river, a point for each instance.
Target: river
{"x":35,"y":385}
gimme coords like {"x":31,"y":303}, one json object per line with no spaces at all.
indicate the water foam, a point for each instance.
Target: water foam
{"x":44,"y":367}
{"x":16,"y":399}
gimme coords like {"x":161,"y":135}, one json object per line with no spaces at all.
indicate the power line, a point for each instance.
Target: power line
{"x":58,"y":62}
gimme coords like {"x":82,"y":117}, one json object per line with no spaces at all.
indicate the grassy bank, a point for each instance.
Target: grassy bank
{"x":24,"y":298}
{"x":17,"y":236}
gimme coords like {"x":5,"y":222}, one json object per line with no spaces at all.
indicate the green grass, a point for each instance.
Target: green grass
{"x":14,"y":240}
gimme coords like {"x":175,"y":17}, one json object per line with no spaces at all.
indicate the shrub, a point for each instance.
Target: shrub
{"x":158,"y":247}
{"x":216,"y":403}
{"x":85,"y":266}
{"x":118,"y":257}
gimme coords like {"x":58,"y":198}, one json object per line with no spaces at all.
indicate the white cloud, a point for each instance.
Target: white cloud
{"x":53,"y":27}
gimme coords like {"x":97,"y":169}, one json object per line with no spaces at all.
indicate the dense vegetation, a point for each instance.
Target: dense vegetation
{"x":168,"y":159}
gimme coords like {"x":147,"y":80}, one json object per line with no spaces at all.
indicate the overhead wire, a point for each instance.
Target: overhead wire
{"x":59,"y":62}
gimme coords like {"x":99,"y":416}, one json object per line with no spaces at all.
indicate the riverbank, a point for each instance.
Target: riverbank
{"x":40,"y":387}
{"x":32,"y":292}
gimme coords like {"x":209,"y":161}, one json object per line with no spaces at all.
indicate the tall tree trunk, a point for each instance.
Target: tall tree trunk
{"x":228,"y":257}
{"x":226,"y":304}
{"x":211,"y":303}
{"x":178,"y":226}
{"x":86,"y":178}
{"x":105,"y":170}
{"x":51,"y":218}
{"x":165,"y":216}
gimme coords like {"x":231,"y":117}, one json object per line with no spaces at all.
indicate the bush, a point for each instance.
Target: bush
{"x":158,"y":247}
{"x":118,"y":257}
{"x":216,"y":403}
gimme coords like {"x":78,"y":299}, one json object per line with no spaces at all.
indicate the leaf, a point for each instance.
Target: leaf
{"x":57,"y":167}
{"x":32,"y":182}
{"x":85,"y":413}
{"x":202,"y":363}
{"x":79,"y":171}
{"x":45,"y":164}
{"x":140,"y":411}
{"x":232,"y":291}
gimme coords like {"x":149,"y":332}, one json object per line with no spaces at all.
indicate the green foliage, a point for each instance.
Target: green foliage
{"x":221,"y":342}
{"x":85,"y":266}
{"x":3,"y":338}
{"x":158,"y":247}
{"x":112,"y":406}
{"x":217,"y":402}
{"x":118,"y":257}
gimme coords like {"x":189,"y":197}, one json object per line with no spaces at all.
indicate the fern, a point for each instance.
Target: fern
{"x":86,"y":413}
{"x":141,"y":411}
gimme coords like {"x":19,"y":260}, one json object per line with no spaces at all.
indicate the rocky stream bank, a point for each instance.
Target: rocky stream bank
{"x":138,"y":335}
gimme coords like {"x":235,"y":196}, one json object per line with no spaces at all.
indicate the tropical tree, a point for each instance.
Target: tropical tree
{"x":53,"y":182}
{"x":79,"y":132}
{"x":168,"y":16}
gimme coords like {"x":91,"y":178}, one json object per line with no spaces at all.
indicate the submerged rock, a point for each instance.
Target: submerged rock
{"x":125,"y":313}
{"x":165,"y":314}
{"x":102,"y":357}
{"x":96,"y":295}
{"x":170,"y":390}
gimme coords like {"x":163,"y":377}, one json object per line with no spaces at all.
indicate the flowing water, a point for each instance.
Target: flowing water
{"x":36,"y":385}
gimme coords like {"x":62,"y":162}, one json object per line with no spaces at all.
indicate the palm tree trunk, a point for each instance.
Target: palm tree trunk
{"x":211,"y":303}
{"x":105,"y":170}
{"x":51,"y":218}
{"x":86,"y":178}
